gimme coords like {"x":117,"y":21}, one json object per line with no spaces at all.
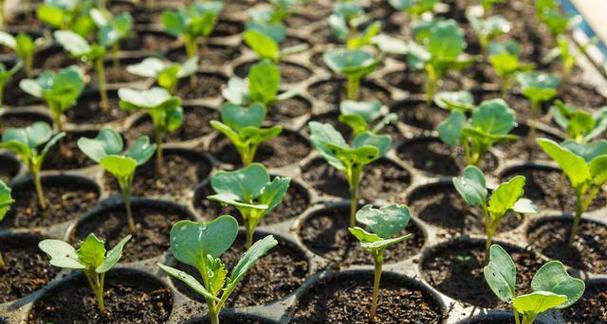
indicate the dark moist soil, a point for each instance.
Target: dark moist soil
{"x":282,"y":112}
{"x":382,"y":180}
{"x":129,"y":298}
{"x":115,"y":75}
{"x":52,"y":58}
{"x":9,"y":167}
{"x":347,"y":299}
{"x":66,"y":199}
{"x":153,"y":226}
{"x":65,"y":155}
{"x":294,"y":203}
{"x":433,"y":156}
{"x":419,"y":114}
{"x":274,"y":276}
{"x":285,"y":149}
{"x":334,"y":91}
{"x":588,"y":251}
{"x":550,"y":189}
{"x":214,"y":55}
{"x":456,"y":269}
{"x":326,"y":234}
{"x":289,"y":72}
{"x":518,"y":103}
{"x":21,"y":119}
{"x":182,"y":172}
{"x":440,"y":205}
{"x":195,"y":125}
{"x":14,"y":96}
{"x":206,"y":85}
{"x":27,"y":267}
{"x":591,"y":308}
{"x":225,"y":27}
{"x":525,"y":148}
{"x":581,"y":94}
{"x":88,"y":110}
{"x":232,"y":319}
{"x":414,"y":81}
{"x":148,"y":41}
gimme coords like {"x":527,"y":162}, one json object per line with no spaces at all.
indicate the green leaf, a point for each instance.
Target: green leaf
{"x":537,"y":302}
{"x":446,"y":41}
{"x":587,"y":151}
{"x":273,"y":193}
{"x":119,"y":166}
{"x":390,"y":45}
{"x":238,"y":117}
{"x":494,"y":117}
{"x":144,"y":99}
{"x":51,"y":15}
{"x":500,"y":273}
{"x":31,"y":136}
{"x":455,"y":100}
{"x":386,"y":221}
{"x":264,"y":81}
{"x":364,"y":236}
{"x":91,"y":251}
{"x":188,"y":280}
{"x":262,"y":44}
{"x":450,"y":129}
{"x":8,"y":40}
{"x":217,"y":275}
{"x":572,"y":165}
{"x":113,"y":256}
{"x":141,"y":150}
{"x":356,"y":122}
{"x":368,"y":110}
{"x":248,"y":260}
{"x":471,"y":186}
{"x":107,"y":142}
{"x":172,"y":22}
{"x":149,"y":67}
{"x":525,"y":206}
{"x":243,"y":185}
{"x":553,"y":277}
{"x":380,"y":142}
{"x":355,"y":156}
{"x":352,"y":63}
{"x":6,"y":199}
{"x":75,"y":44}
{"x":62,"y":254}
{"x":237,"y":91}
{"x":323,"y":134}
{"x":192,"y":241}
{"x":538,"y":86}
{"x":505,"y":196}
{"x":598,"y":170}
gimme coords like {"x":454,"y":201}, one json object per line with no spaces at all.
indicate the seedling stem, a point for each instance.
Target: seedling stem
{"x":96,"y":282}
{"x":353,"y":87}
{"x":35,"y":170}
{"x":126,"y":185}
{"x":2,"y":263}
{"x":378,"y":259}
{"x":100,"y":69}
{"x":353,"y":182}
{"x":431,"y":83}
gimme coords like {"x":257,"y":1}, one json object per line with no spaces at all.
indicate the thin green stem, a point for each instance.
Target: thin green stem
{"x":529,"y":319}
{"x":28,"y":62}
{"x":56,"y":115}
{"x":2,"y":2}
{"x":96,"y":283}
{"x":250,"y":228}
{"x":191,"y":47}
{"x":2,"y":263}
{"x":247,"y":154}
{"x":35,"y":170}
{"x":378,"y":258}
{"x":2,"y":86}
{"x":353,"y":182}
{"x":214,"y":315}
{"x":431,"y":84}
{"x":125,"y":186}
{"x":100,"y":69}
{"x":517,"y":320}
{"x":352,"y":87}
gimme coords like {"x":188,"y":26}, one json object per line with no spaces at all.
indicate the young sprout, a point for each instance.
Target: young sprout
{"x":5,"y":76}
{"x":382,"y":225}
{"x":191,"y":23}
{"x":552,"y":287}
{"x":91,"y":257}
{"x":201,"y":245}
{"x":358,"y":115}
{"x":538,"y":88}
{"x":6,"y":200}
{"x":586,"y":167}
{"x":106,"y":149}
{"x":506,"y":198}
{"x":112,"y":30}
{"x":487,"y":5}
{"x":354,"y":65}
{"x":265,"y":42}
{"x":580,"y":125}
{"x":60,"y":90}
{"x":67,"y":15}
{"x":166,"y":74}
{"x":346,"y":20}
{"x":24,"y":142}
{"x":276,"y":13}
{"x":491,"y":123}
{"x":487,"y":29}
{"x":366,"y":148}
{"x":242,"y":126}
{"x":415,"y":8}
{"x":164,"y":109}
{"x":24,"y":47}
{"x":251,"y":192}
{"x":504,"y":57}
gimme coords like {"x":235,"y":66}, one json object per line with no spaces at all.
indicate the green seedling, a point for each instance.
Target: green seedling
{"x":201,"y":245}
{"x":24,"y":142}
{"x":382,"y":225}
{"x":67,"y":15}
{"x":552,"y":287}
{"x":487,"y":5}
{"x":192,"y":23}
{"x":112,"y":30}
{"x":277,"y":11}
{"x":415,"y":8}
{"x":6,"y":200}
{"x":359,"y":115}
{"x":91,"y":257}
{"x":347,"y":20}
{"x":580,"y":125}
{"x":5,"y":76}
{"x":166,"y":74}
{"x":60,"y":90}
{"x":442,"y":49}
{"x":106,"y":149}
{"x":164,"y":110}
{"x":462,"y":101}
{"x":538,"y":88}
{"x":504,"y":57}
{"x":24,"y":46}
{"x":354,"y":65}
{"x":487,"y":29}
{"x":351,"y":159}
{"x":490,"y":124}
{"x":586,"y":167}
{"x":506,"y":198}
{"x":265,"y":42}
{"x":251,"y":192}
{"x":242,"y":126}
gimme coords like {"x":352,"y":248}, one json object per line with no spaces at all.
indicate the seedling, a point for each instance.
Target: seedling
{"x":265,"y":42}
{"x":67,"y":15}
{"x":442,"y":48}
{"x":112,"y":30}
{"x":251,"y":192}
{"x":242,"y":126}
{"x":487,"y":5}
{"x":91,"y":257}
{"x":506,"y":198}
{"x":60,"y":90}
{"x":354,"y":65}
{"x":201,"y":245}
{"x":552,"y":287}
{"x":276,"y":13}
{"x":580,"y":125}
{"x":487,"y":29}
{"x":346,"y":21}
{"x":166,"y":74}
{"x":538,"y":88}
{"x":24,"y":46}
{"x":6,"y":200}
{"x":164,"y":110}
{"x":491,"y":123}
{"x":366,"y":148}
{"x":192,"y":23}
{"x":505,"y":59}
{"x":586,"y":167}
{"x":360,"y":114}
{"x":383,"y":225}
{"x":24,"y":142}
{"x":415,"y":8}
{"x":106,"y":149}
{"x":5,"y":76}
